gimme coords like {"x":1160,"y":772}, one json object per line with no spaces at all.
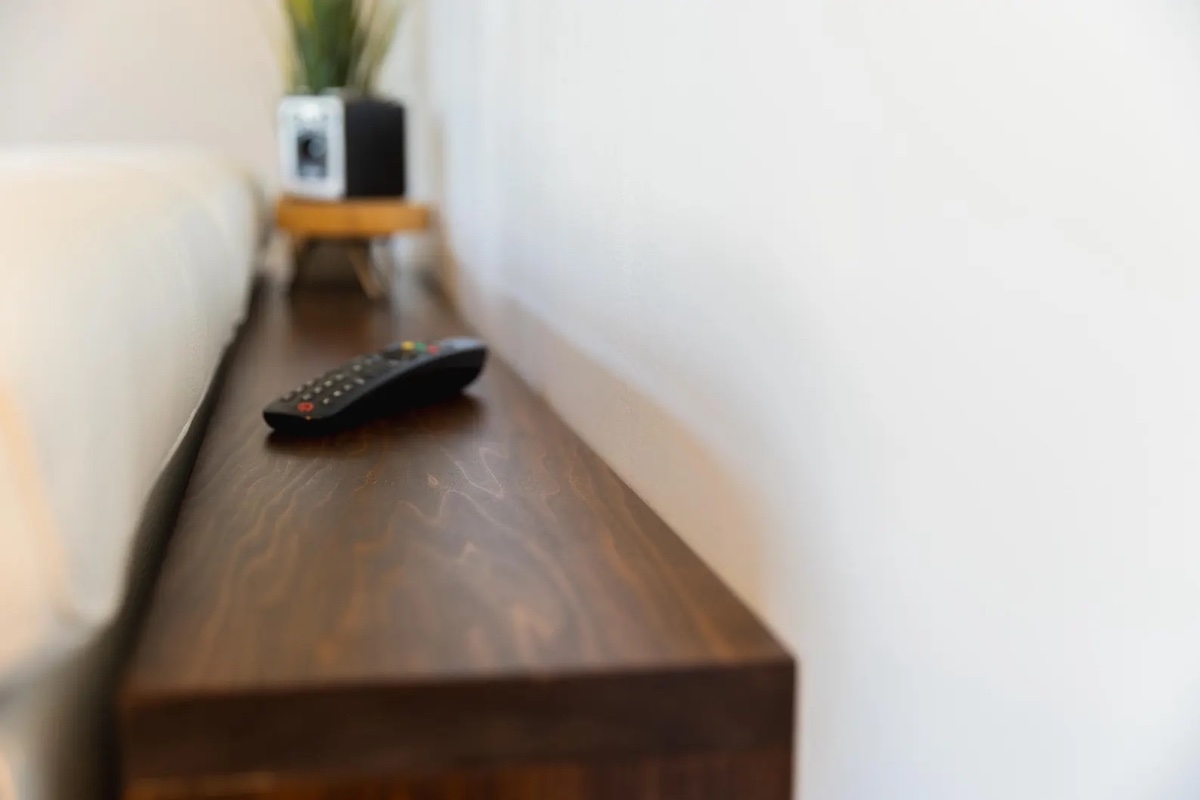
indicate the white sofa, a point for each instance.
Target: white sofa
{"x":124,"y":274}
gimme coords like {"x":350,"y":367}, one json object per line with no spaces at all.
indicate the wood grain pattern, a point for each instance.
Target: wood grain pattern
{"x":463,"y":586}
{"x":707,"y":776}
{"x":350,"y":219}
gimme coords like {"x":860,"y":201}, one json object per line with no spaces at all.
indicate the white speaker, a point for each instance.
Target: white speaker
{"x":332,"y":147}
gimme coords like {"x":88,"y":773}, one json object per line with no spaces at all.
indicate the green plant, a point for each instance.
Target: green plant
{"x":338,"y":43}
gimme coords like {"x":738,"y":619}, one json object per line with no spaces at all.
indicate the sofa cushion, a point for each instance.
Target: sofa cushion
{"x":125,"y":274}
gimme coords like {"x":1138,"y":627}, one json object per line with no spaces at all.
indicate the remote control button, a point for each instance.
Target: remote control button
{"x":304,"y":408}
{"x":400,"y":352}
{"x":360,"y":381}
{"x":337,"y":393}
{"x":432,"y":349}
{"x":327,"y":401}
{"x":306,"y":396}
{"x":318,"y":390}
{"x":357,"y":368}
{"x":347,"y":387}
{"x":328,"y":383}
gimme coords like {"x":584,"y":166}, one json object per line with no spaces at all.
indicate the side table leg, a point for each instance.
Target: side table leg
{"x":388,"y":264}
{"x":359,"y":253}
{"x":301,"y":248}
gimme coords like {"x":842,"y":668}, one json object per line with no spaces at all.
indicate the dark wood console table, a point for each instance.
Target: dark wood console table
{"x":462,"y":602}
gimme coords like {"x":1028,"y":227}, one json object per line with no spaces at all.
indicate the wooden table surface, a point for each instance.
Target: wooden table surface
{"x":455,"y":591}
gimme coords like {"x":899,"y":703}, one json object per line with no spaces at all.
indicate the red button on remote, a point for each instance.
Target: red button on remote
{"x":304,"y":408}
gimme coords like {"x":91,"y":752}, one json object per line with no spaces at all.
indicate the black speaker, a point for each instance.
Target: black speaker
{"x":331,"y":147}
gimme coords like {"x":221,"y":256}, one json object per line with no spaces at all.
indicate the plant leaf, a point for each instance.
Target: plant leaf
{"x":339,"y":43}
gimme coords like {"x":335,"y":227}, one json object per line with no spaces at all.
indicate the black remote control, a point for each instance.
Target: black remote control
{"x":405,"y":374}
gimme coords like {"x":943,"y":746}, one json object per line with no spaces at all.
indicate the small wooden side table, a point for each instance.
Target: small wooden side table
{"x":355,"y":224}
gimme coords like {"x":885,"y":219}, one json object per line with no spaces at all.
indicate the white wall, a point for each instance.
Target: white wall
{"x":201,"y":72}
{"x":142,"y":71}
{"x":891,"y":309}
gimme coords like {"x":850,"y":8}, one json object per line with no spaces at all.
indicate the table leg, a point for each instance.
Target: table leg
{"x":359,"y":253}
{"x":388,"y":265}
{"x":301,"y":249}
